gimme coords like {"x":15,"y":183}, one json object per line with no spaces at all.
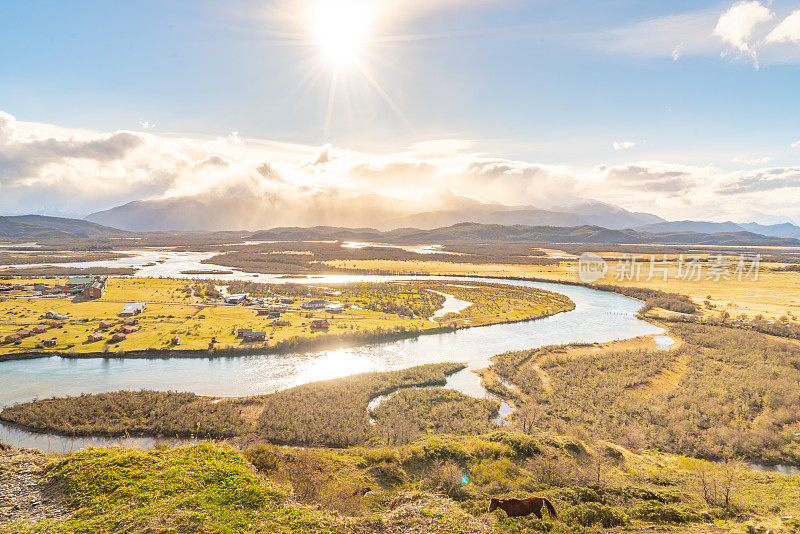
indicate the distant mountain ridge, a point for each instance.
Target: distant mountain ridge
{"x":788,"y":230}
{"x":483,"y":233}
{"x":339,"y":208}
{"x":591,"y":213}
{"x":33,"y":227}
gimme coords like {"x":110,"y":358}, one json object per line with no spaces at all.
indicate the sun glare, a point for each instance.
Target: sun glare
{"x":340,"y":29}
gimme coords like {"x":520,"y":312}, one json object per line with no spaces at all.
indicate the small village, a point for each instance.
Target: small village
{"x":98,"y":315}
{"x":254,"y":320}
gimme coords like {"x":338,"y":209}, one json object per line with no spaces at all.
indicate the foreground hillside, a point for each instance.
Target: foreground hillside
{"x":435,"y":484}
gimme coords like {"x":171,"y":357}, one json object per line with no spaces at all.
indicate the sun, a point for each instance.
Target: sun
{"x":340,"y":29}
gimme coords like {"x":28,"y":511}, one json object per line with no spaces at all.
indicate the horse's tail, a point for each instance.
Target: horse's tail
{"x":550,"y":508}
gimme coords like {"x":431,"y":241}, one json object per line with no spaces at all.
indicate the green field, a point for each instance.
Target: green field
{"x":196,"y":316}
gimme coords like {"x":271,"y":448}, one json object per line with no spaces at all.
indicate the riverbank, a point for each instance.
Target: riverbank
{"x":323,"y":342}
{"x":188,"y":318}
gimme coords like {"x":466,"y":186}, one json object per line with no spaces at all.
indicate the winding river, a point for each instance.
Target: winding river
{"x":597,"y":317}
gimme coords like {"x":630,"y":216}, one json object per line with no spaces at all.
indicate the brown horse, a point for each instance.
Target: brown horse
{"x":521,"y":507}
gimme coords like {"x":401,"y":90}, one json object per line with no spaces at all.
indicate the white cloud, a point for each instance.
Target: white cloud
{"x":752,"y":161}
{"x":623,"y":145}
{"x":796,"y":144}
{"x":676,"y":52}
{"x":735,"y":27}
{"x":787,"y":31}
{"x":667,"y":37}
{"x":146,"y":124}
{"x":48,"y":169}
{"x":741,"y":30}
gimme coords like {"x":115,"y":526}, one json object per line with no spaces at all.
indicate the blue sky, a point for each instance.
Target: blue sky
{"x":548,"y":83}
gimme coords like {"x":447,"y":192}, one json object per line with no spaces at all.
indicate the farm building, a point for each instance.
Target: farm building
{"x":56,"y":324}
{"x":255,"y":336}
{"x":97,"y":336}
{"x":119,"y":336}
{"x":129,"y":310}
{"x":287,"y":300}
{"x":57,"y":316}
{"x":237,"y":299}
{"x":335,"y":307}
{"x":320,"y":323}
{"x":50,"y":342}
{"x":95,"y":290}
{"x":131,"y":321}
{"x":125,"y":329}
{"x":78,"y":284}
{"x":12,"y":338}
{"x":105,"y":325}
{"x":314,"y":304}
{"x":38,"y":329}
{"x":24,"y":333}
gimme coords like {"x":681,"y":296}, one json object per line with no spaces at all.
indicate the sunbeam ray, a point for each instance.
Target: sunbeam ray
{"x":329,"y":110}
{"x":384,"y":95}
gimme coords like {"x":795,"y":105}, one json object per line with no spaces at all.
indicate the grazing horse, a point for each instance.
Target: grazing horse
{"x":521,"y":507}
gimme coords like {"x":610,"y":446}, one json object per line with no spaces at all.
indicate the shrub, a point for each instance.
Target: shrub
{"x":591,"y":514}
{"x":662,"y":513}
{"x":388,"y":473}
{"x":521,"y":444}
{"x":264,"y":457}
{"x":446,"y":478}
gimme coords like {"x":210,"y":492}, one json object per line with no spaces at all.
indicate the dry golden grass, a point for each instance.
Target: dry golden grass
{"x":172,"y":311}
{"x":774,"y":295}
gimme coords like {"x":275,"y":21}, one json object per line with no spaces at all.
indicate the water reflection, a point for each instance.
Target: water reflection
{"x":598,"y":317}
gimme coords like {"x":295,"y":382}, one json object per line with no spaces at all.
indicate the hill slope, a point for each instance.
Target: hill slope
{"x":35,"y":227}
{"x":482,"y":233}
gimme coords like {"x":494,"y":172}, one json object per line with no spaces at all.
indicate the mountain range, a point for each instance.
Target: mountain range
{"x":338,"y":218}
{"x":339,"y":208}
{"x":773,"y":230}
{"x":35,"y":227}
{"x":487,"y":233}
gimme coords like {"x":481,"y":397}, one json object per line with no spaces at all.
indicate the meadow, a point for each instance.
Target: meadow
{"x":434,"y":484}
{"x":774,"y":296}
{"x":721,"y":393}
{"x":195,"y":313}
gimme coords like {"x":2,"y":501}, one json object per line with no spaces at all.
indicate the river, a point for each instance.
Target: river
{"x":597,"y":317}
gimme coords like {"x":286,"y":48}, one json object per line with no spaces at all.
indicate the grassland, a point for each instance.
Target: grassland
{"x":720,"y":393}
{"x":775,"y":295}
{"x":48,"y":257}
{"x":436,"y":484}
{"x":197,"y":317}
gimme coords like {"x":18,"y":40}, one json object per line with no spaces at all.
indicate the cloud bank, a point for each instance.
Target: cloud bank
{"x":50,"y":170}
